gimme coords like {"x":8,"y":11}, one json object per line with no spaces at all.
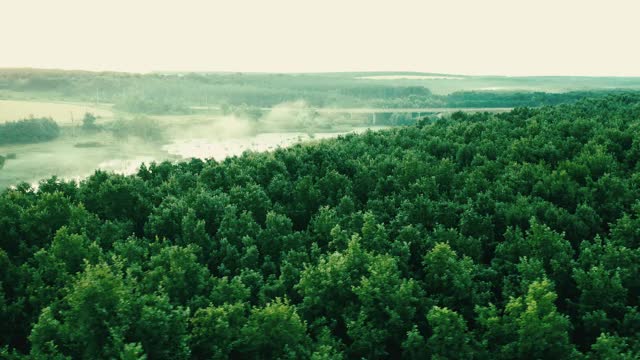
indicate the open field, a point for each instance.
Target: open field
{"x":61,"y":112}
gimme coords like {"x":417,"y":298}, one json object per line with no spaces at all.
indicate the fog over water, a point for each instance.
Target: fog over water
{"x":76,"y":154}
{"x":203,"y":148}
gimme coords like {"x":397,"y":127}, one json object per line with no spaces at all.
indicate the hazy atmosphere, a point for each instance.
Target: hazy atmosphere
{"x":323,"y":180}
{"x":493,"y":37}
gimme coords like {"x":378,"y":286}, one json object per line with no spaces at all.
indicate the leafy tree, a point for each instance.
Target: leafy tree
{"x":160,"y":327}
{"x":388,"y":303}
{"x":540,"y":243}
{"x":531,"y":326}
{"x":89,"y":121}
{"x":449,"y":339}
{"x":275,"y":331}
{"x":609,"y":347}
{"x":222,"y":323}
{"x":448,"y":278}
{"x":73,"y":250}
{"x":414,"y":347}
{"x":93,"y":321}
{"x":177,"y":271}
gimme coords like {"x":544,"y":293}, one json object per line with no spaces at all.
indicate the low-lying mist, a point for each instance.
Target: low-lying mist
{"x":123,"y":143}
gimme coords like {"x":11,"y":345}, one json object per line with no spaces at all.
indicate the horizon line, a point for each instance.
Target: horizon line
{"x":395,"y":72}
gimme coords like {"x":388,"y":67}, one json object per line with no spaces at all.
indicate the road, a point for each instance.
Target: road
{"x":375,"y":110}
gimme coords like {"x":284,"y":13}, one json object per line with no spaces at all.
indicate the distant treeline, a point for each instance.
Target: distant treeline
{"x":141,"y":105}
{"x":479,"y":99}
{"x":28,"y":131}
{"x":178,"y":93}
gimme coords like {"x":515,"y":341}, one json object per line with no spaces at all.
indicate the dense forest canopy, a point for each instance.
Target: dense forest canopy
{"x":485,"y":236}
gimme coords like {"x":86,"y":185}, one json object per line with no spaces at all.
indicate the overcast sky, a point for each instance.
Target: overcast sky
{"x":511,"y":37}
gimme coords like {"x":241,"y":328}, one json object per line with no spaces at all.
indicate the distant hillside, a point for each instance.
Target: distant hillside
{"x":175,"y":92}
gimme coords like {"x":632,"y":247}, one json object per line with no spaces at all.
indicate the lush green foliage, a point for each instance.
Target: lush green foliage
{"x":487,"y":236}
{"x":28,"y":131}
{"x":89,"y":122}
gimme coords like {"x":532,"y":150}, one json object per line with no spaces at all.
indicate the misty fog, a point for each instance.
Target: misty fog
{"x":123,"y":142}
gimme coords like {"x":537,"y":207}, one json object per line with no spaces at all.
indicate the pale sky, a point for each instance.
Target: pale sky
{"x":502,"y":37}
